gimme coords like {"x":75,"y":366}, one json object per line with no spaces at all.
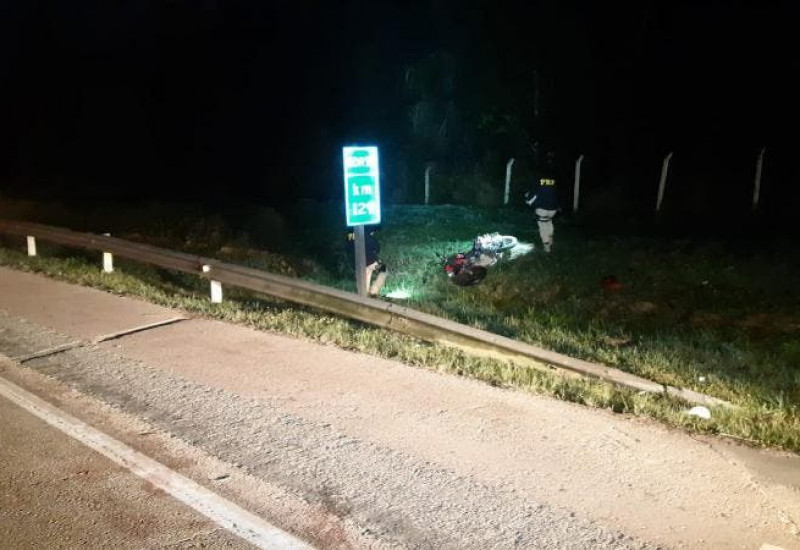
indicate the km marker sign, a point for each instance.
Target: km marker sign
{"x":362,"y":197}
{"x":362,"y":185}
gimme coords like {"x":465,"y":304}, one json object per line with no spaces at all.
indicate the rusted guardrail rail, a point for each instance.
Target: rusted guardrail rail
{"x":376,"y":312}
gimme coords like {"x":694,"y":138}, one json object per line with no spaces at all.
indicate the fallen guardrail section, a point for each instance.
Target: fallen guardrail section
{"x":368,"y":310}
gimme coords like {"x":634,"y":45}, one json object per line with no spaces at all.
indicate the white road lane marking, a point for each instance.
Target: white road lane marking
{"x":227,"y":514}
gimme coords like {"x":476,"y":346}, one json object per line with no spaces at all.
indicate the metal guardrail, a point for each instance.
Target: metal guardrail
{"x":375,"y":312}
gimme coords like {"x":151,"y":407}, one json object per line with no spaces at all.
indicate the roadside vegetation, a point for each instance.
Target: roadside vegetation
{"x":718,"y":318}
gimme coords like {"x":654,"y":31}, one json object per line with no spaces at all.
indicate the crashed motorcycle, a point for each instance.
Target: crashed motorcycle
{"x":470,"y":268}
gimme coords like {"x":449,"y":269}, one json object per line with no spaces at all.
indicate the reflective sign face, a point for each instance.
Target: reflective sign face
{"x":362,"y":185}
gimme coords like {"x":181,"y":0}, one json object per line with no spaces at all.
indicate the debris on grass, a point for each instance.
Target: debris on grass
{"x":700,"y":412}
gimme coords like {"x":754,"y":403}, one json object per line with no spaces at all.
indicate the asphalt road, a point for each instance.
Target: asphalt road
{"x":352,"y":451}
{"x":57,"y":493}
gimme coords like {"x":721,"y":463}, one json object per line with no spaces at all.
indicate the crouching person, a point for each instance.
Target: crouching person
{"x":375,"y":267}
{"x":376,"y":270}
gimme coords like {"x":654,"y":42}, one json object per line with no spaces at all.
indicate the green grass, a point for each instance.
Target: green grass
{"x":718,"y":320}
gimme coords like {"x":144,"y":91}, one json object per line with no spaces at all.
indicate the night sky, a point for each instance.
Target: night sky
{"x":165,"y":99}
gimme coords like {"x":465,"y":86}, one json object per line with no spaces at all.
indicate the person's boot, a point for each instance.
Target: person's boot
{"x":547,"y":247}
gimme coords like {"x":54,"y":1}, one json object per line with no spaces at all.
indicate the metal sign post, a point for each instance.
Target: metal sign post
{"x":361,"y":261}
{"x":362,"y":201}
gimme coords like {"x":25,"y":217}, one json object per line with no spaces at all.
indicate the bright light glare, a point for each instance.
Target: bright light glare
{"x":399,"y":294}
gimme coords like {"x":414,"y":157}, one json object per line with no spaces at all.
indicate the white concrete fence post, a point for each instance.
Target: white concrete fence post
{"x":108,"y":259}
{"x":757,"y":182}
{"x":216,"y":287}
{"x":428,"y":183}
{"x":31,"y":246}
{"x":507,"y":194}
{"x":663,"y":181}
{"x":576,"y":193}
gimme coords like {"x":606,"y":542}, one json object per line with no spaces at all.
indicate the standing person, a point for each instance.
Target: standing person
{"x":544,"y":199}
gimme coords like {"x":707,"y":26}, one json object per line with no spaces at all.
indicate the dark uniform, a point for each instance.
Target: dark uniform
{"x":372,"y":248}
{"x":544,"y":199}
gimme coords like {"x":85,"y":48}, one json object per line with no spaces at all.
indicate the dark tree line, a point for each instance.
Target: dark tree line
{"x":169,"y":100}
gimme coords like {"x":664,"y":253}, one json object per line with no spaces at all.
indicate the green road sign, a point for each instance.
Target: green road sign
{"x":362,"y":185}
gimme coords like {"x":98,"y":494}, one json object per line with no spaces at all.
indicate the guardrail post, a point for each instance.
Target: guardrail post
{"x":31,"y":246}
{"x":216,"y":287}
{"x":108,"y":259}
{"x":216,"y":292}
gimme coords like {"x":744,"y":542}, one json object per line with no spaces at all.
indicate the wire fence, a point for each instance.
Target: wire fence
{"x":728,"y":189}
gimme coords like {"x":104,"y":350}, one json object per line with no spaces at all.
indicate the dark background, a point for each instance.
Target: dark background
{"x":170,"y":99}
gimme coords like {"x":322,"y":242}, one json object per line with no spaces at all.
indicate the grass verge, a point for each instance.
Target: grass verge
{"x":757,"y":421}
